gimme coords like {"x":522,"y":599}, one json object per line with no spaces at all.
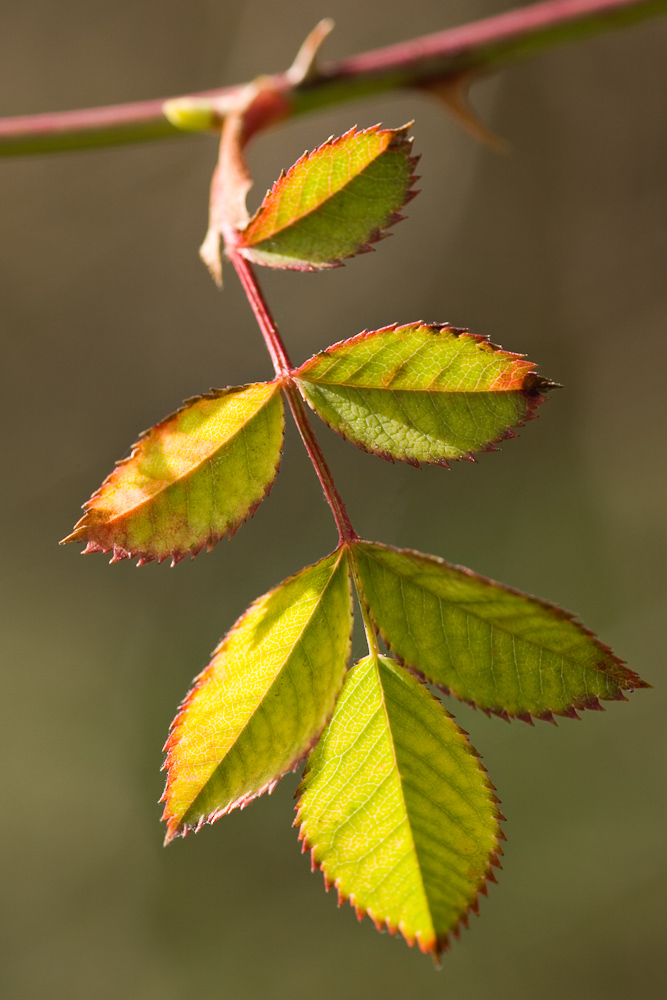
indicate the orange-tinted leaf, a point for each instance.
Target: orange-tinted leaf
{"x":189,"y":480}
{"x":422,"y":392}
{"x":334,"y":202}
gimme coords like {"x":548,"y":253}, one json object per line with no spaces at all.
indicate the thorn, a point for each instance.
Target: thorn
{"x":305,"y":66}
{"x":452,"y":92}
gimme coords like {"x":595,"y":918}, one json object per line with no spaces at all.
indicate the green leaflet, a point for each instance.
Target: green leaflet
{"x":421,"y":393}
{"x":499,"y":649}
{"x":333,"y":202}
{"x":396,"y":807}
{"x":266,"y":696}
{"x":189,"y":480}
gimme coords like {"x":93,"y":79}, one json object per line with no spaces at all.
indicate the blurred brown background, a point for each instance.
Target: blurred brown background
{"x":109,"y":321}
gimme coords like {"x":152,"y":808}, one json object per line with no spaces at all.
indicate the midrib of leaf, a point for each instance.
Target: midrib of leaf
{"x":340,"y":356}
{"x":393,"y":777}
{"x":408,"y":820}
{"x":280,"y":670}
{"x":437,"y":806}
{"x":493,"y":624}
{"x":394,"y":371}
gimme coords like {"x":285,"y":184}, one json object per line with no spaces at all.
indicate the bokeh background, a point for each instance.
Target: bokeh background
{"x":109,"y":320}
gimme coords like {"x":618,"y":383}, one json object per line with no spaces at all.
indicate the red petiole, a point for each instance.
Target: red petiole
{"x":283,"y":369}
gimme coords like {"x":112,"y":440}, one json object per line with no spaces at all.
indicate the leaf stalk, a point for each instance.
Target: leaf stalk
{"x":346,"y":533}
{"x":369,"y":628}
{"x":283,"y":369}
{"x":274,"y":342}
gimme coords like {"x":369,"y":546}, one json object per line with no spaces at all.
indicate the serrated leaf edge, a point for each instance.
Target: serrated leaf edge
{"x":534,"y":393}
{"x":580,"y":705}
{"x":179,"y":829}
{"x":376,"y":235}
{"x":143,"y":557}
{"x":441,"y":943}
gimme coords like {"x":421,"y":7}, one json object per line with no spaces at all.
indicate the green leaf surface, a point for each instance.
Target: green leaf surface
{"x":421,"y":393}
{"x":498,"y":649}
{"x":396,"y":807}
{"x":264,"y":699}
{"x":189,"y":480}
{"x":334,"y":202}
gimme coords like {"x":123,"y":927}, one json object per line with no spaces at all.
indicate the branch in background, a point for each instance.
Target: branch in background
{"x":471,"y":50}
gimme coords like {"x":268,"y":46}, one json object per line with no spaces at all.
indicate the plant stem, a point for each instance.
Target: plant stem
{"x":369,"y":628}
{"x":272,"y":339}
{"x":346,"y":532}
{"x":283,"y":370}
{"x":481,"y":47}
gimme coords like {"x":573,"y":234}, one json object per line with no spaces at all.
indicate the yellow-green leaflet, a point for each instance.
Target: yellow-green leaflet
{"x":421,"y":393}
{"x":396,"y":807}
{"x":267,"y":694}
{"x":191,"y":479}
{"x":333,"y":202}
{"x":501,"y":650}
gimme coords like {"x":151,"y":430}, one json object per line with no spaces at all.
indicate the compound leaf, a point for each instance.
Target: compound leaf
{"x":493,"y":647}
{"x":421,"y":393}
{"x":264,"y":699}
{"x":334,"y":202}
{"x":397,"y":809}
{"x":189,"y":480}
